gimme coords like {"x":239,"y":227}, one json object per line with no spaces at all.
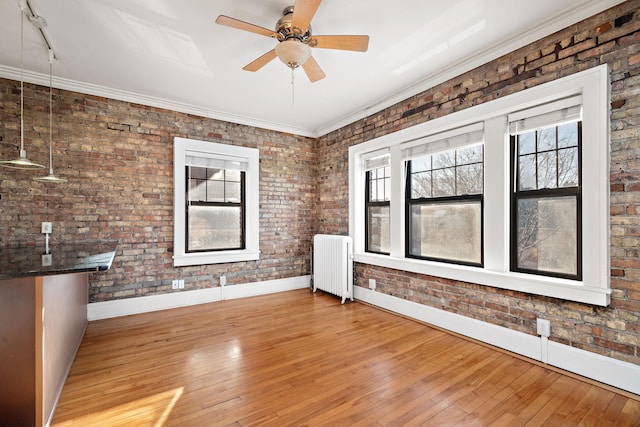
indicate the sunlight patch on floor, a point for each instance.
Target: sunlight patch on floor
{"x":150,"y":411}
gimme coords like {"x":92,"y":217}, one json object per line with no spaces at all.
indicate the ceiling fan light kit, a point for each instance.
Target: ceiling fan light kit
{"x":293,"y":32}
{"x":293,"y":52}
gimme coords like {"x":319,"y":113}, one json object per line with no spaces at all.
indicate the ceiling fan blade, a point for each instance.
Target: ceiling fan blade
{"x":303,"y":11}
{"x":313,"y":70}
{"x":260,"y":62}
{"x":241,"y":25}
{"x":357,"y":43}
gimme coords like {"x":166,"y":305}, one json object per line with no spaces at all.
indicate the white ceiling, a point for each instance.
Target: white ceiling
{"x":171,"y":54}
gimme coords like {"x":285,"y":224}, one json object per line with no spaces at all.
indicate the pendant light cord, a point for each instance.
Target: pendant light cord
{"x":21,"y":82}
{"x":50,"y":109}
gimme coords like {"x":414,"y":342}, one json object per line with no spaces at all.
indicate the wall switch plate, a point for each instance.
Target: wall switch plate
{"x":544,"y":327}
{"x":181,"y":284}
{"x":223,"y":279}
{"x":46,"y":228}
{"x":47,"y":260}
{"x":175,"y":284}
{"x":372,"y":284}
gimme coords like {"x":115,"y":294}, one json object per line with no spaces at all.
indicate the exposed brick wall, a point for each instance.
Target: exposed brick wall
{"x":118,"y":158}
{"x":612,"y":37}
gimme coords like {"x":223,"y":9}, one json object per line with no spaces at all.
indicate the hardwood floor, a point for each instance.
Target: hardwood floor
{"x":298,"y":358}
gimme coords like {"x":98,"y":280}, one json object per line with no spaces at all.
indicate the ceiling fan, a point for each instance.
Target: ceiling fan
{"x":293,"y":33}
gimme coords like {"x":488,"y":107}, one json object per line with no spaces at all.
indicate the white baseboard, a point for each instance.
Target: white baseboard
{"x":620,"y":374}
{"x":125,"y":307}
{"x":267,"y":287}
{"x":617,"y":373}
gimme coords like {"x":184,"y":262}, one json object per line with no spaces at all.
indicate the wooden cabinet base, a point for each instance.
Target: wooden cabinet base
{"x":42,"y":321}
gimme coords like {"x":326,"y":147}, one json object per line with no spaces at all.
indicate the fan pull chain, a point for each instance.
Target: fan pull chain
{"x":293,"y":89}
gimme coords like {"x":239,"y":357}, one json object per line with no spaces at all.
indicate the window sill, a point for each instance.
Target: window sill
{"x":214,"y":257}
{"x":539,"y":285}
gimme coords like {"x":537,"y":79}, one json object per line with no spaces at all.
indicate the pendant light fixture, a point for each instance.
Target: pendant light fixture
{"x":51,"y":177}
{"x":21,"y":162}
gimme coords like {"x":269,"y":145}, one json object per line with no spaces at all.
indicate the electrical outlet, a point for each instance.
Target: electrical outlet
{"x":46,"y":227}
{"x":175,"y":284}
{"x":181,"y":284}
{"x":544,"y":327}
{"x":47,"y":260}
{"x":372,"y":284}
{"x":223,"y":279}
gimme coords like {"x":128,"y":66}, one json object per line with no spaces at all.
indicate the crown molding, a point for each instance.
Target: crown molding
{"x":137,"y":98}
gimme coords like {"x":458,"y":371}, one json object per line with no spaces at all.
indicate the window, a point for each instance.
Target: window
{"x":546,"y":208}
{"x":444,"y":205}
{"x":377,"y":210}
{"x":377,"y":191}
{"x":505,"y":208}
{"x":215,"y":203}
{"x":215,"y":208}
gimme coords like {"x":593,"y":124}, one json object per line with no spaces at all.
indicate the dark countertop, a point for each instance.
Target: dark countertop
{"x":66,"y":257}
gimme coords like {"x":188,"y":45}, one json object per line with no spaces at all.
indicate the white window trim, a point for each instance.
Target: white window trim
{"x":593,"y":86}
{"x":181,"y":147}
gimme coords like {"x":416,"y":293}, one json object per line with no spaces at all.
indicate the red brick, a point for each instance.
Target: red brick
{"x":596,"y":51}
{"x":615,"y":346}
{"x":580,"y":47}
{"x":603,"y":28}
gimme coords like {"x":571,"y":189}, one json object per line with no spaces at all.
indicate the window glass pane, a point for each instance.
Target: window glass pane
{"x":568,"y":167}
{"x":547,"y":234}
{"x":381,"y":192}
{"x":387,"y":172}
{"x":444,"y":182}
{"x":217,"y":174}
{"x":214,"y":227}
{"x":471,"y":154}
{"x":547,"y":139}
{"x":448,"y":231}
{"x":379,"y":182}
{"x":444,"y":160}
{"x":568,"y":135}
{"x":421,"y":164}
{"x":197,"y":190}
{"x":421,"y":185}
{"x":232,"y":192}
{"x":527,"y":143}
{"x":378,"y":228}
{"x":196,"y":172}
{"x":547,"y":170}
{"x":215,"y":191}
{"x":232,"y":175}
{"x":469,"y":179}
{"x":527,"y":172}
{"x":373,"y":188}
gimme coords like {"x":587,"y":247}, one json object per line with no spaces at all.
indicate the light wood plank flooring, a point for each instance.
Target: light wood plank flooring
{"x":298,"y":358}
